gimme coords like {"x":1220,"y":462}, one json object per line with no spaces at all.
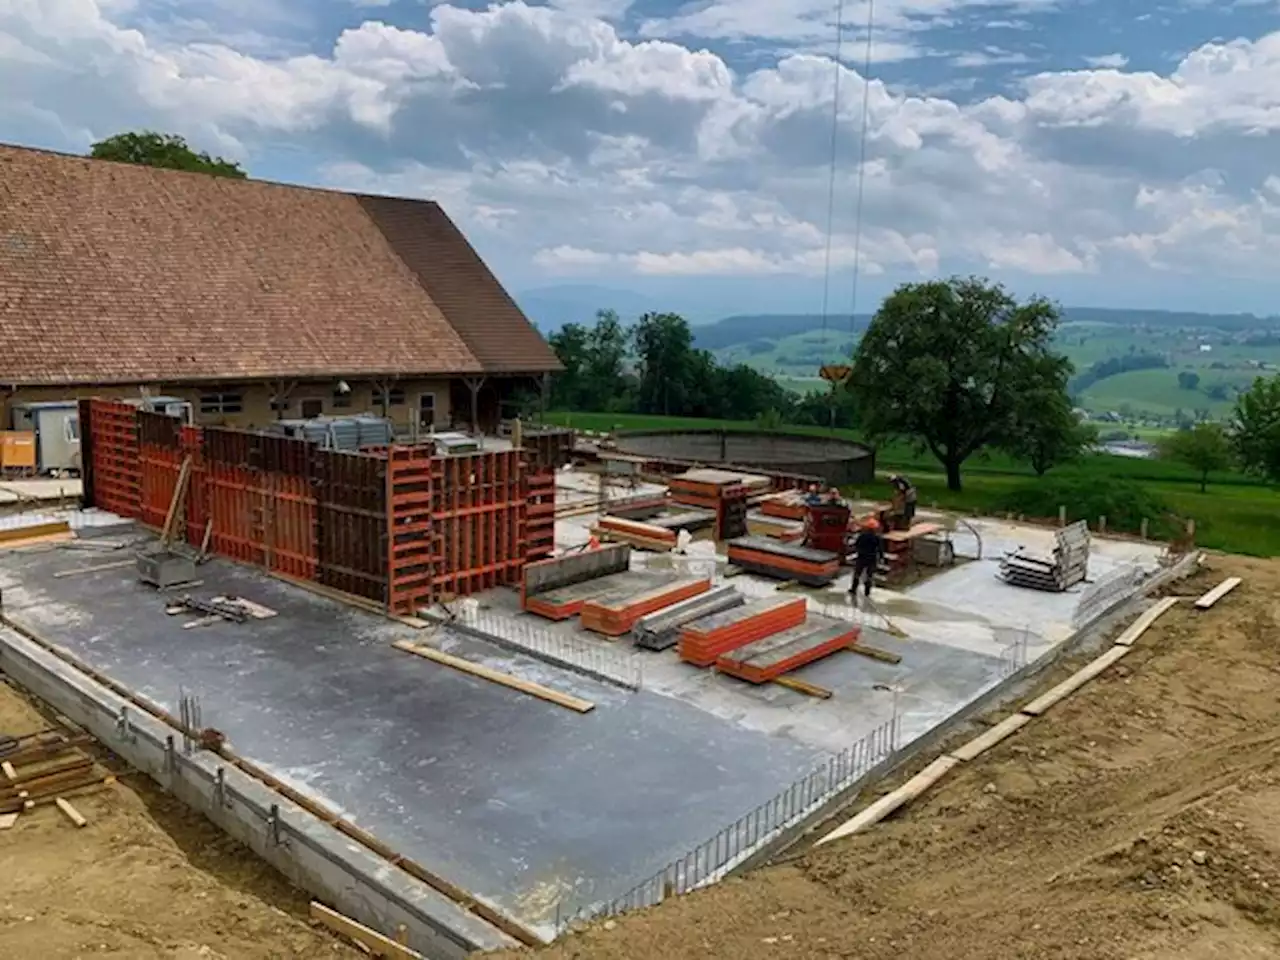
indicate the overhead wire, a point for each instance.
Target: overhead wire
{"x":862,"y":168}
{"x":831,"y":182}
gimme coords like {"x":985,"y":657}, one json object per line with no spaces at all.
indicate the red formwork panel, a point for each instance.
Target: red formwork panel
{"x":115,"y":467}
{"x":540,"y":514}
{"x":457,"y":524}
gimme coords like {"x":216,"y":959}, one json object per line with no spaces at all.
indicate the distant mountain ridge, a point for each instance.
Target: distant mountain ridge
{"x":746,"y":328}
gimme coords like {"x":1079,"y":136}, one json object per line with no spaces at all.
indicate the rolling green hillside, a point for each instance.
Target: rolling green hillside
{"x":1225,"y":351}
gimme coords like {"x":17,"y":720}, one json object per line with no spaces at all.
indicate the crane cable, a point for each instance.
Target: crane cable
{"x":862,"y":169}
{"x":831,"y":182}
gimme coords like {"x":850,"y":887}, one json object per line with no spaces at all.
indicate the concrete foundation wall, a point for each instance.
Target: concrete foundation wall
{"x":313,"y":855}
{"x":838,"y":462}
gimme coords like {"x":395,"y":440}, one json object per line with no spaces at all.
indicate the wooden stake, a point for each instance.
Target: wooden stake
{"x":494,"y":676}
{"x":71,"y":812}
{"x":176,"y":502}
{"x":370,"y":939}
{"x":803,"y":686}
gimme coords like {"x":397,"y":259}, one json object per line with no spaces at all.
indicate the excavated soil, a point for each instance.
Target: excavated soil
{"x":146,"y":879}
{"x":1138,"y":820}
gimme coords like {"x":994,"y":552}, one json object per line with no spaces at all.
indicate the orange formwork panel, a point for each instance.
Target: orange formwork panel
{"x":763,"y":661}
{"x":787,"y":506}
{"x":702,"y":641}
{"x":540,"y":515}
{"x":615,"y":617}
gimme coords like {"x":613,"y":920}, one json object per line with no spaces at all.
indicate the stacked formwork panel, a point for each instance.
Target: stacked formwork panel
{"x":540,"y":514}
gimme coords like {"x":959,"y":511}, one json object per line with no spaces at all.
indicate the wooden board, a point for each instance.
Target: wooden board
{"x":13,"y":535}
{"x":7,"y":820}
{"x":1041,"y":704}
{"x":997,"y":734}
{"x":803,"y":686}
{"x":377,"y":944}
{"x":9,"y":772}
{"x":113,"y":565}
{"x":505,"y":679}
{"x":875,"y":653}
{"x":890,"y":802}
{"x":1218,"y":592}
{"x":71,"y":813}
{"x":1144,"y":622}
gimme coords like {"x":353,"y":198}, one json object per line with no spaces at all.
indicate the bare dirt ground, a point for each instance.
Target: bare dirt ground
{"x":147,"y":879}
{"x":1138,"y":820}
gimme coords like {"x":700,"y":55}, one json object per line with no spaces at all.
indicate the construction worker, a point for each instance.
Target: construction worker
{"x":868,"y":548}
{"x":904,"y":499}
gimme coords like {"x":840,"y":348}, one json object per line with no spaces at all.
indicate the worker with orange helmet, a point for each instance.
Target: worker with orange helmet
{"x":868,"y":548}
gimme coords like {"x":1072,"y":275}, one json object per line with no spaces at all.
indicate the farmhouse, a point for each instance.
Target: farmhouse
{"x":252,"y":300}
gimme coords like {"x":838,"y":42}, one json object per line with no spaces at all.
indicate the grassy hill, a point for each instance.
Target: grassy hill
{"x":1226,"y":350}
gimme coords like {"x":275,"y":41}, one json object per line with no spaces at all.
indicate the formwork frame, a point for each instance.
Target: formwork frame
{"x":400,"y":526}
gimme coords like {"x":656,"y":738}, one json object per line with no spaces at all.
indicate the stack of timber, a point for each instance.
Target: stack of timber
{"x":766,"y":660}
{"x":42,"y":768}
{"x":647,"y":536}
{"x":661,"y":630}
{"x":1068,"y":565}
{"x":703,"y":641}
{"x":615,"y":616}
{"x":784,"y":561}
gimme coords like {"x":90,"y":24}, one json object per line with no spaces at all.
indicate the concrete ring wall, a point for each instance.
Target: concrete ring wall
{"x":838,"y":462}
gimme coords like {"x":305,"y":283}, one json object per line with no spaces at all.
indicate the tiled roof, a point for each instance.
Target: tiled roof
{"x":485,"y":316}
{"x":111,"y":273}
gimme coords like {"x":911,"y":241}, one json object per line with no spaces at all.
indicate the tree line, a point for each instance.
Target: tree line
{"x":954,"y":367}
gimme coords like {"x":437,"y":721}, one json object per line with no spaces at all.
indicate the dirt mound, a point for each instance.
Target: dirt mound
{"x":1138,"y":820}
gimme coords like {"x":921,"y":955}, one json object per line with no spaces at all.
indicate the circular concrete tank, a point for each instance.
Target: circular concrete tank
{"x":838,"y":462}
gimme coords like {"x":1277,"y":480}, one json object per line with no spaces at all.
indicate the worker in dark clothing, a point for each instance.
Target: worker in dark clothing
{"x":904,"y":499}
{"x":868,"y":548}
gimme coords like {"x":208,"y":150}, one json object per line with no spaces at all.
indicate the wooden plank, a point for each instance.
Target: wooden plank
{"x":1218,"y":592}
{"x":891,"y":802}
{"x":494,"y":676}
{"x":996,"y":734}
{"x":875,"y":653}
{"x":71,"y":813}
{"x":803,"y":686}
{"x":9,"y":772}
{"x":176,"y":502}
{"x":113,"y":565}
{"x":1041,"y":704}
{"x":7,"y":820}
{"x":1144,"y":622}
{"x":371,"y":940}
{"x":53,"y":528}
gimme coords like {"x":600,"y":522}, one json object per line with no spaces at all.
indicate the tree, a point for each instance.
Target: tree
{"x":945,"y":363}
{"x":1203,"y":448}
{"x":665,"y":355}
{"x":570,"y":346}
{"x":151,"y":149}
{"x":1255,"y":428}
{"x":1047,"y":432}
{"x":1187,"y":380}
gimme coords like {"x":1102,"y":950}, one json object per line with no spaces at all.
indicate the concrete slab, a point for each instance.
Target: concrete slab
{"x":516,"y":800}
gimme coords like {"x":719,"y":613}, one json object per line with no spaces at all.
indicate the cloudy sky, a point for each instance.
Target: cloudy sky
{"x":1106,"y":152}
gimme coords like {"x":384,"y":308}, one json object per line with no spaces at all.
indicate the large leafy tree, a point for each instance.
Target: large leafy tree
{"x":949,"y":364}
{"x":1203,"y":448}
{"x":172,"y":152}
{"x":1255,"y":428}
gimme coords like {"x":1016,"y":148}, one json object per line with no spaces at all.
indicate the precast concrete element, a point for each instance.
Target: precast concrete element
{"x":837,"y":462}
{"x":309,"y":852}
